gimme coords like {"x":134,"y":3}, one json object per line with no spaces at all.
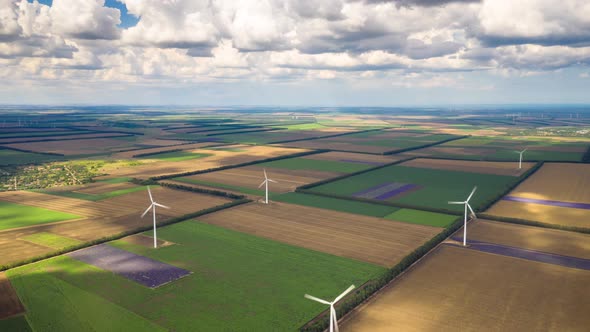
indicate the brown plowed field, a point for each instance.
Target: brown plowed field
{"x":98,"y":188}
{"x":57,"y":137}
{"x":185,"y":147}
{"x":252,"y":177}
{"x":457,"y":289}
{"x":533,"y":238}
{"x":484,"y":167}
{"x":102,"y":218}
{"x":217,"y":158}
{"x":10,"y":304}
{"x":373,"y":240}
{"x":75,"y":147}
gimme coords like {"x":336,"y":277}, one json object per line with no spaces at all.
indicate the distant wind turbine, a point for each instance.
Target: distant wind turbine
{"x":153,"y":208}
{"x":520,"y":160}
{"x":333,"y":318}
{"x":265,"y":184}
{"x":467,"y":206}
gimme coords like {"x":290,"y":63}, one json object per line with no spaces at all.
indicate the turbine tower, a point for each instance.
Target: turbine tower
{"x":467,"y":206}
{"x":520,"y":160}
{"x":153,"y":208}
{"x":333,"y":318}
{"x":265,"y":183}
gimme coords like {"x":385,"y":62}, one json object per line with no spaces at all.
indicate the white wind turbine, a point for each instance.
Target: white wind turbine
{"x":265,"y":183}
{"x":333,"y":318}
{"x":467,"y":206}
{"x":520,"y":160}
{"x":153,"y":208}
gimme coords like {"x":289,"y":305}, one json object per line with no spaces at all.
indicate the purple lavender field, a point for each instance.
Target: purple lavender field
{"x":140,"y":269}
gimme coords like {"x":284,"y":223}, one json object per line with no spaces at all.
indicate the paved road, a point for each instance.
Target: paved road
{"x":532,"y":255}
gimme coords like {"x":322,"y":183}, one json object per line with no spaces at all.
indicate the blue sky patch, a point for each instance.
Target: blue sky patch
{"x":127,"y":20}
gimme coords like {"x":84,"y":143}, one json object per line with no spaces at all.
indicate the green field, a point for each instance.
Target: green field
{"x":422,"y":217}
{"x":239,"y":283}
{"x":336,"y":204}
{"x":16,"y":215}
{"x":316,"y":165}
{"x":13,"y":157}
{"x":15,"y":324}
{"x":93,"y":197}
{"x":51,"y":240}
{"x":439,"y":186}
{"x":176,"y":156}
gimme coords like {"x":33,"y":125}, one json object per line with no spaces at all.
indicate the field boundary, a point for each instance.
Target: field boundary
{"x":209,"y":170}
{"x":71,"y":139}
{"x":29,"y":151}
{"x":360,"y":295}
{"x":124,"y":234}
{"x":584,"y":230}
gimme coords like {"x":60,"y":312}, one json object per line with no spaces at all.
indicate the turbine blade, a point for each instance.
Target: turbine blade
{"x":160,"y":205}
{"x":348,"y":290}
{"x":264,"y":169}
{"x":262,"y":184}
{"x":470,"y":195}
{"x":150,"y":193}
{"x":273,"y":181}
{"x":313,"y":298}
{"x":524,"y":150}
{"x":472,"y":212}
{"x":147,"y":210}
{"x":333,"y":313}
{"x":456,"y":202}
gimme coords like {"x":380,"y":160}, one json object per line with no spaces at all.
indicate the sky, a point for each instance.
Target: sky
{"x":294,"y":53}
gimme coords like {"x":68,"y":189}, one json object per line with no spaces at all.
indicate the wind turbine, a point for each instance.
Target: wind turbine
{"x":520,"y":160}
{"x":153,"y":208}
{"x":467,"y":206}
{"x":265,"y":183}
{"x":333,"y":318}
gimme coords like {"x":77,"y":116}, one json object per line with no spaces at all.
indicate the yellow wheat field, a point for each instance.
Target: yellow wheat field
{"x":457,"y":289}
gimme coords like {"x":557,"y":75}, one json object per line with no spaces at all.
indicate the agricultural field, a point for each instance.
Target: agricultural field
{"x":373,"y":240}
{"x":505,"y":149}
{"x":556,"y":194}
{"x":420,"y":187}
{"x":15,"y":157}
{"x":482,"y":167}
{"x":236,"y":282}
{"x":83,"y":220}
{"x":375,"y":142}
{"x":288,"y":173}
{"x":454,"y":288}
{"x":204,"y":158}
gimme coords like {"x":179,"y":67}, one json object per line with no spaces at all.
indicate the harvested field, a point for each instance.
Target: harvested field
{"x":102,"y":218}
{"x":558,"y":182}
{"x":230,"y":155}
{"x":534,"y":238}
{"x":460,"y":289}
{"x":10,"y":304}
{"x":372,"y":240}
{"x":556,"y":194}
{"x":134,"y":153}
{"x":484,"y":167}
{"x":251,"y":177}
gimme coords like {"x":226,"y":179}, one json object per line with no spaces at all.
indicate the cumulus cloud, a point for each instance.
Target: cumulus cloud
{"x":208,"y":40}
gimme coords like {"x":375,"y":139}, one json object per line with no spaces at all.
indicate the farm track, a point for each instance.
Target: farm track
{"x":373,"y":240}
